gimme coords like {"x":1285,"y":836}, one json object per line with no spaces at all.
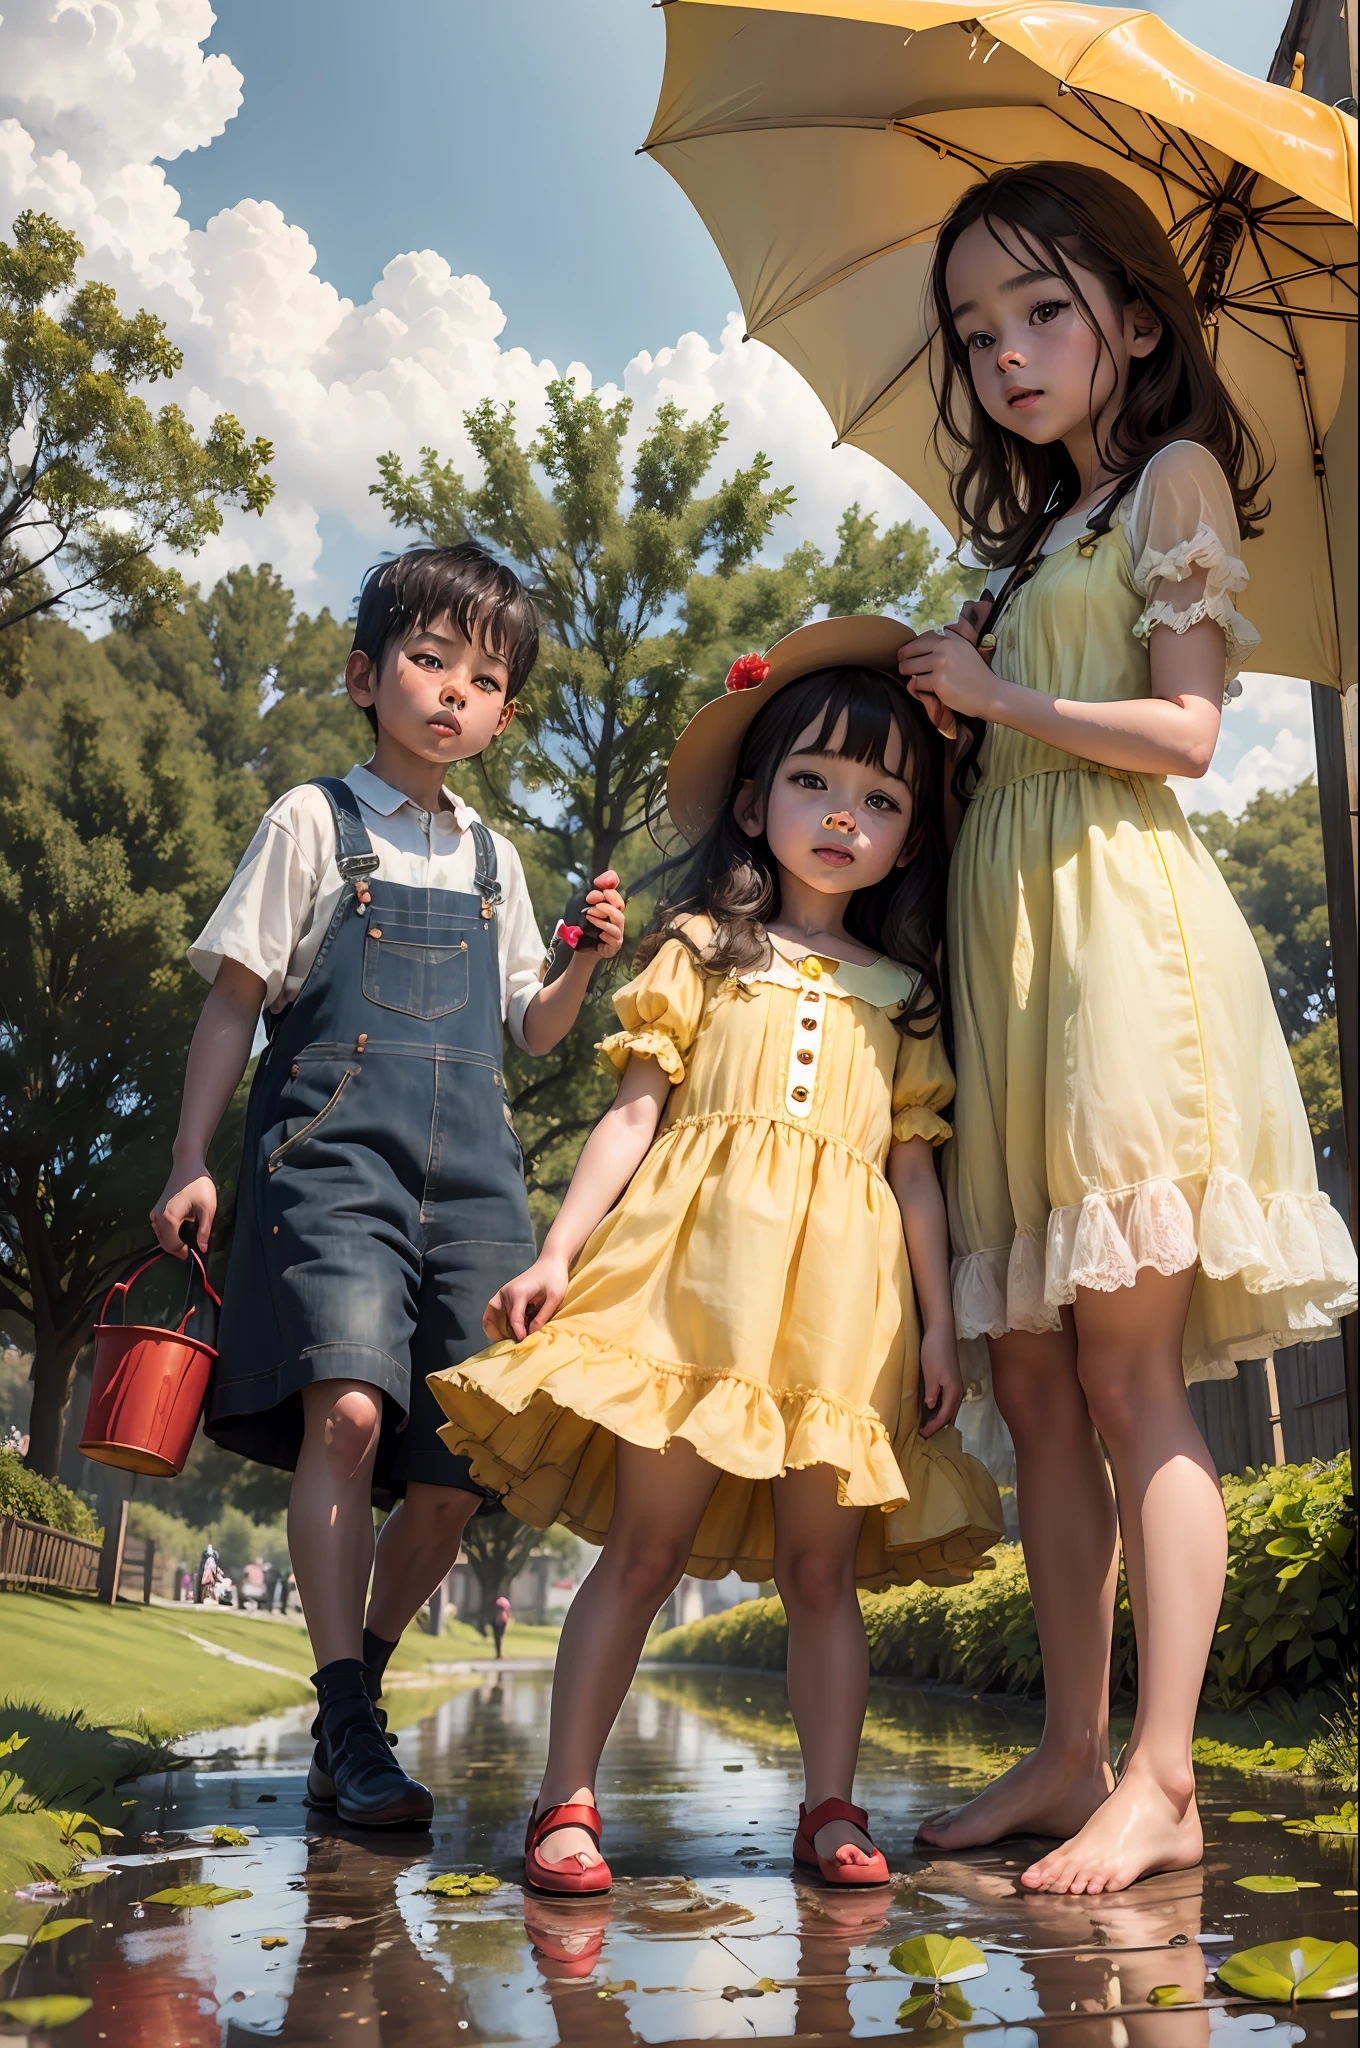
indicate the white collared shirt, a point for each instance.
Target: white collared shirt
{"x":279,"y":902}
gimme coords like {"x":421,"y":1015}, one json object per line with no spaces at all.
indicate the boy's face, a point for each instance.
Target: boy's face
{"x":439,"y":695}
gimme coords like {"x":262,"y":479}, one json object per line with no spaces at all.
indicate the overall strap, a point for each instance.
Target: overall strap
{"x":484,"y":881}
{"x":354,"y":855}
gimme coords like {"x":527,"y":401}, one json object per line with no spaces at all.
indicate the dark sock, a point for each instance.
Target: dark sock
{"x":342,"y":1696}
{"x":376,"y":1653}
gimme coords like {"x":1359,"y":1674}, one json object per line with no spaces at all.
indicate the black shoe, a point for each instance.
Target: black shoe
{"x":371,"y":1788}
{"x":320,"y":1778}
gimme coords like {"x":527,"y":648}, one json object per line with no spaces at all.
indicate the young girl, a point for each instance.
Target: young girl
{"x":730,"y":1378}
{"x":1132,"y":1190}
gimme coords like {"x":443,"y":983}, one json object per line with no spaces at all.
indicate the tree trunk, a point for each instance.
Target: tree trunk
{"x":54,"y":1365}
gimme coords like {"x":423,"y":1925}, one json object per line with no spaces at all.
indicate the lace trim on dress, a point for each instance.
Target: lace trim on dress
{"x":1224,"y":574}
{"x":1292,"y":1250}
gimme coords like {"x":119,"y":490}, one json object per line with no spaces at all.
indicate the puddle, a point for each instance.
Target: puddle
{"x":705,"y":1937}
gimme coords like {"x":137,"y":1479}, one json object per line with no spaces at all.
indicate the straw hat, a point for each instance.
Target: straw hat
{"x":705,"y":756}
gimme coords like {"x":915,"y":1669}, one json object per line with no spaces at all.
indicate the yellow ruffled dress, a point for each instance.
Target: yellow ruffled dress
{"x":750,"y":1291}
{"x":1126,"y":1097}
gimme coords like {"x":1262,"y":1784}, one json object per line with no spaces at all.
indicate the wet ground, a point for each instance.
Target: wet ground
{"x":706,"y":1935}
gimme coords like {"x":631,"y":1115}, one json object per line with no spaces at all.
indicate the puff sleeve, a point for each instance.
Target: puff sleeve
{"x":923,"y":1085}
{"x":1184,"y":546}
{"x":660,"y":1011}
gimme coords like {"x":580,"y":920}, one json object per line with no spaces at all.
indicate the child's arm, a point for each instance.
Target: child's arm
{"x":218,"y":1056}
{"x":1172,"y":732}
{"x":912,"y":1178}
{"x":612,"y":1155}
{"x":554,"y":1009}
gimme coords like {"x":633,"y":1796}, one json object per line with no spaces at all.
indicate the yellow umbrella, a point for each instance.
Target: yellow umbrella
{"x":824,"y":141}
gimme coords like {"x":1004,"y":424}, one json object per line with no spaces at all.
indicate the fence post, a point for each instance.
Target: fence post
{"x":111,"y":1556}
{"x":148,"y":1571}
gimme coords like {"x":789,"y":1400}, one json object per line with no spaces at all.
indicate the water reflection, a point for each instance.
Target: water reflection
{"x":707,"y":1935}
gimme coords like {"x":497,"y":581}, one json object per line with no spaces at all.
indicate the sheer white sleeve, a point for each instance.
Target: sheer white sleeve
{"x":1183,"y":542}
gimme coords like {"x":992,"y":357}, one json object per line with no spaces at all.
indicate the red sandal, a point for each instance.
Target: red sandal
{"x":866,"y":1870}
{"x":559,"y":1880}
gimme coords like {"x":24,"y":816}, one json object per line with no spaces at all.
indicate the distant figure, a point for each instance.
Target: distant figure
{"x":186,"y":1584}
{"x":272,"y":1576}
{"x":500,"y":1621}
{"x":207,"y":1575}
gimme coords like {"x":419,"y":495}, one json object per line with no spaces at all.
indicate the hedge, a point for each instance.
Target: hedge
{"x":1287,"y":1617}
{"x":34,"y":1499}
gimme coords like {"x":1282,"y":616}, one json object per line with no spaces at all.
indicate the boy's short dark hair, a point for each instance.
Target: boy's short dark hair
{"x":464,"y":583}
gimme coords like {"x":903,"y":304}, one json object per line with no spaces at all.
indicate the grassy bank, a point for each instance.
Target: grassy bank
{"x":148,"y":1667}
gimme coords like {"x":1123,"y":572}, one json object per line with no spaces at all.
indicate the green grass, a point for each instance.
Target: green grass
{"x":136,"y":1667}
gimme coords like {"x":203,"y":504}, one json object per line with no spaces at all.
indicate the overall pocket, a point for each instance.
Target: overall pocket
{"x":420,"y":981}
{"x":310,"y":1124}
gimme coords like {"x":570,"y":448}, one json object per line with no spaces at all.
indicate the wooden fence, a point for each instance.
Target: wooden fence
{"x":36,"y":1559}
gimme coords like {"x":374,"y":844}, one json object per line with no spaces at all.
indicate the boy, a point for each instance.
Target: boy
{"x":389,"y":936}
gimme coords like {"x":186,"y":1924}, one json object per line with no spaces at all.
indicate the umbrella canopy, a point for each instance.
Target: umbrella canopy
{"x":823,"y":142}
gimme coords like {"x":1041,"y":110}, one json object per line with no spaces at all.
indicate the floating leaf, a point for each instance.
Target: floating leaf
{"x":454,"y":1884}
{"x":273,"y":1941}
{"x":1275,"y":1881}
{"x":1247,"y":1814}
{"x":945,"y":2006}
{"x":58,"y":2009}
{"x":230,"y":1838}
{"x":196,"y":1895}
{"x":938,"y":1959}
{"x":1343,"y":1823}
{"x":612,"y":1990}
{"x":1170,"y":1994}
{"x":1280,"y":1970}
{"x":53,"y":1930}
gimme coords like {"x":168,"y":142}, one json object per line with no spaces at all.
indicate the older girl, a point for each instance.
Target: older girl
{"x":1132,"y":1193}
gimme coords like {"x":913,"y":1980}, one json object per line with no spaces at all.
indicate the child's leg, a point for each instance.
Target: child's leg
{"x":1175,"y":1547}
{"x":330,"y":1513}
{"x":828,"y":1665}
{"x":1070,"y":1536}
{"x":659,"y":1502}
{"x":417,"y":1549}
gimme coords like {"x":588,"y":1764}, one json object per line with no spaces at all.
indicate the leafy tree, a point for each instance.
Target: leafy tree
{"x":1271,"y":858}
{"x":131,"y":778}
{"x":95,"y":487}
{"x":648,"y":579}
{"x":497,"y":1547}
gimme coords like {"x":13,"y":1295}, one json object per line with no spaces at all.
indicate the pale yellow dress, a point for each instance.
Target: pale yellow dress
{"x":750,"y":1291}
{"x":1126,"y":1099}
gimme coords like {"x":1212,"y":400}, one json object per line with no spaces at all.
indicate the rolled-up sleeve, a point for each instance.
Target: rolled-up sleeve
{"x":264,"y":913}
{"x":520,"y":944}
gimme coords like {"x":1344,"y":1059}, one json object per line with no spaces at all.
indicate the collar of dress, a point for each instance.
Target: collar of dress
{"x":883,"y":985}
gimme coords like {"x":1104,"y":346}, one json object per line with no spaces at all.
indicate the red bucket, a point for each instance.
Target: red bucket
{"x":149,"y":1383}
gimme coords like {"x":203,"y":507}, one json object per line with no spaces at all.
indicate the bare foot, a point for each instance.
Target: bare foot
{"x":1142,"y":1827}
{"x":1040,"y":1795}
{"x":572,"y":1846}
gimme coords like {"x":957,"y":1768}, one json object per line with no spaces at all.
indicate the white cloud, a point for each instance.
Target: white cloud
{"x":92,"y":92}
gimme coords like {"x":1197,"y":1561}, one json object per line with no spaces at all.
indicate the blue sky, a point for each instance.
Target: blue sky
{"x":502,"y":133}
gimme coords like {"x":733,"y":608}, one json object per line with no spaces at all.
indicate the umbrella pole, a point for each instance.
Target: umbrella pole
{"x":1332,"y":714}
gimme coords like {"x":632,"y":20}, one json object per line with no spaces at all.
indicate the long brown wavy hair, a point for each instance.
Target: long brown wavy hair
{"x":734,"y":880}
{"x":1055,"y":215}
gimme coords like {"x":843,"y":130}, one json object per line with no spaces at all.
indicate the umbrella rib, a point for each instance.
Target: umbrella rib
{"x":829,"y":283}
{"x":1332,"y":270}
{"x":866,"y":411}
{"x":1300,"y":366}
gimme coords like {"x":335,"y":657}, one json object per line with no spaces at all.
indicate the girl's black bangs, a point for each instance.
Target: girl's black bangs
{"x":865,"y":700}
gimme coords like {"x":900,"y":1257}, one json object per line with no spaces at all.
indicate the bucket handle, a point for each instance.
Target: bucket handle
{"x":190,"y":1306}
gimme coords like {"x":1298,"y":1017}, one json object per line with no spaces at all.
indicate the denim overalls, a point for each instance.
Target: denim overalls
{"x":381,"y":1200}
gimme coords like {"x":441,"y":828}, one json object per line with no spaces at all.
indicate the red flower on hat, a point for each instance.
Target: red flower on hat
{"x":746,"y":671}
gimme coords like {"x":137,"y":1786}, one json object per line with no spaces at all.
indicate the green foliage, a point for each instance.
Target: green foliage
{"x":648,"y":581}
{"x":1289,"y":1605}
{"x":35,"y":1499}
{"x":1332,"y":1753}
{"x":1287,"y":1617}
{"x":1271,"y":859}
{"x":237,"y":1539}
{"x":96,"y":488}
